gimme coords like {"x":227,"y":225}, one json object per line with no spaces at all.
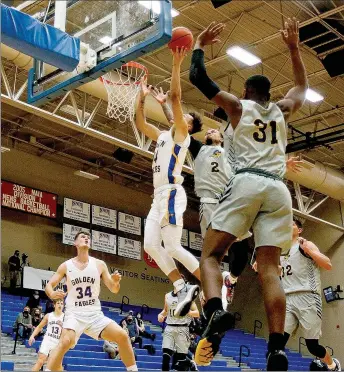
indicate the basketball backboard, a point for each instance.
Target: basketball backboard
{"x":118,"y":31}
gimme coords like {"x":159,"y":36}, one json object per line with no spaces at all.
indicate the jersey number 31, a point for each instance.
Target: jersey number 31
{"x":260,"y":134}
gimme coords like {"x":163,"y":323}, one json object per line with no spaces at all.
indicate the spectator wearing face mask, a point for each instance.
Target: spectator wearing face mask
{"x":49,"y":306}
{"x":14,"y":269}
{"x":24,"y":322}
{"x":130,"y":325}
{"x":36,"y":319}
{"x":33,"y":301}
{"x":141,"y":326}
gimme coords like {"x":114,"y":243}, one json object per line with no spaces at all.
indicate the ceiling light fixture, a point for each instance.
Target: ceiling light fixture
{"x":84,"y":174}
{"x":155,"y":6}
{"x":313,"y":96}
{"x":243,"y":55}
{"x":5,"y":149}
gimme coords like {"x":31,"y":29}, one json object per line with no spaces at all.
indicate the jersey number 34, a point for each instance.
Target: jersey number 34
{"x":260,"y":134}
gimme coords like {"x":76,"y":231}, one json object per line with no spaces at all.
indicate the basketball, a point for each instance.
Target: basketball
{"x":181,"y":37}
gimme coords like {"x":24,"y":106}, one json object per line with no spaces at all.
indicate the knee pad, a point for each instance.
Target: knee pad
{"x":316,"y":349}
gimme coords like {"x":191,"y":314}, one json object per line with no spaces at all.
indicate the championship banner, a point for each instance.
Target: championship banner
{"x":102,"y":216}
{"x":196,"y":241}
{"x":128,"y":223}
{"x":69,"y":232}
{"x":103,"y":242}
{"x":129,"y":248}
{"x":26,"y":199}
{"x":76,"y":210}
{"x":38,"y":279}
{"x":185,"y":238}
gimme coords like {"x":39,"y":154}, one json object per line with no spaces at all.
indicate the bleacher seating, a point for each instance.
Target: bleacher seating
{"x":88,"y":354}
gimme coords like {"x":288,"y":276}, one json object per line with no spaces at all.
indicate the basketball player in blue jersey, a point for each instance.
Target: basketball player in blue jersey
{"x":165,"y":219}
{"x":83,"y":310}
{"x":256,"y":196}
{"x":302,"y":284}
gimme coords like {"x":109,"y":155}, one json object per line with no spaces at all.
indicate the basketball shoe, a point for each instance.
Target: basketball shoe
{"x":186,"y":297}
{"x":220,"y":322}
{"x":277,"y":361}
{"x":337,"y":367}
{"x":229,"y":284}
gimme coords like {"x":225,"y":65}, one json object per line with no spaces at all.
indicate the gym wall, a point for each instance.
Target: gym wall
{"x":41,"y":238}
{"x":331,"y":243}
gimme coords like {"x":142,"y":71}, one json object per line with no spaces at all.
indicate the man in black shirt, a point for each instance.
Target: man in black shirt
{"x":14,"y":269}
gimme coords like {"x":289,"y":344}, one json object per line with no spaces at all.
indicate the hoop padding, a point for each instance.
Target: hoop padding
{"x":122,"y":86}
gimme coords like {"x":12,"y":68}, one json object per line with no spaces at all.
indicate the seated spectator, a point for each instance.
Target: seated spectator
{"x":49,"y":306}
{"x":14,"y":269}
{"x":141,"y":326}
{"x":130,"y":325}
{"x":112,"y":349}
{"x":33,"y":301}
{"x":24,"y":323}
{"x":36,"y":319}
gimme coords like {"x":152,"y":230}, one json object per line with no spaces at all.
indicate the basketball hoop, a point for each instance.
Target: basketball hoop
{"x":122,"y":86}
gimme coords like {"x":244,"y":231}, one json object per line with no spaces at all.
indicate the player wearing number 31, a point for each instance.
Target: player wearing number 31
{"x":257,"y":196}
{"x":83,"y":310}
{"x":165,"y":218}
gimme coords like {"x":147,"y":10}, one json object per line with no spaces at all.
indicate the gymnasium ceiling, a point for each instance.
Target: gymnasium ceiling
{"x":255,"y":26}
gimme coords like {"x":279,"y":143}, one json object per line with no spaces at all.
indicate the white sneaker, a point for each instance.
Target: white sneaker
{"x":185,"y":299}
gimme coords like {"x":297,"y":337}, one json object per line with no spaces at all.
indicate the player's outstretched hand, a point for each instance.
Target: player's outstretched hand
{"x":294,"y":164}
{"x":31,"y":340}
{"x":161,"y":318}
{"x":159,"y":95}
{"x":58,"y":295}
{"x":178,"y":55}
{"x":116,"y":276}
{"x":210,"y":34}
{"x":145,"y":90}
{"x":290,"y":34}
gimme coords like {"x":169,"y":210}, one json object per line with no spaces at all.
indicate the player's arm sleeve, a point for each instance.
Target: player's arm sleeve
{"x":195,"y":147}
{"x":198,"y":75}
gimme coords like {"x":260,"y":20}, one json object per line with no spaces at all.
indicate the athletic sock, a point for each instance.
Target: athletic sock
{"x":211,"y":306}
{"x":276,"y":341}
{"x":178,"y":285}
{"x":232,"y":279}
{"x":332,"y":366}
{"x":132,"y":368}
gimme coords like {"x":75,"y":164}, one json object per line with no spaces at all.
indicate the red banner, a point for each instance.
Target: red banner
{"x":28,"y":200}
{"x":149,"y":260}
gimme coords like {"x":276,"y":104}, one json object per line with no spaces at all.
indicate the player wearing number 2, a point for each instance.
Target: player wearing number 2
{"x":165,"y":219}
{"x":83,"y":310}
{"x":256,"y":196}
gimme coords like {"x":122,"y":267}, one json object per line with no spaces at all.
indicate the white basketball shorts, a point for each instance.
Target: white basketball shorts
{"x":47,"y":345}
{"x":169,"y":205}
{"x":92,"y":324}
{"x":176,"y":339}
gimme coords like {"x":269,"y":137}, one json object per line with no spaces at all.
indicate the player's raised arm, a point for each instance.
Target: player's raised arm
{"x":296,"y":95}
{"x":198,"y":75}
{"x":111,"y":281}
{"x":54,"y":281}
{"x":38,"y":329}
{"x":181,"y":130}
{"x":313,"y":251}
{"x":140,"y":119}
{"x":161,"y":97}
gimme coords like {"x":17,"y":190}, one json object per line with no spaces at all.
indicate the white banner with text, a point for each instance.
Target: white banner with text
{"x":129,"y":248}
{"x":38,"y":279}
{"x":76,"y":210}
{"x":103,"y":242}
{"x":69,"y":232}
{"x":128,"y":223}
{"x":102,"y":216}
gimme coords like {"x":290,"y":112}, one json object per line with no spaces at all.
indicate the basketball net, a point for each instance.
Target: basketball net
{"x":122,"y":86}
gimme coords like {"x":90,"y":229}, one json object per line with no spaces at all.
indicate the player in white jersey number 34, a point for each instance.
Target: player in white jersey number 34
{"x":83,"y":310}
{"x":257,"y":196}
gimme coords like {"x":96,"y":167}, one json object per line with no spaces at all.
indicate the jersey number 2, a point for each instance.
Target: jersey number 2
{"x":215,"y":166}
{"x":260,"y":135}
{"x":81,"y":294}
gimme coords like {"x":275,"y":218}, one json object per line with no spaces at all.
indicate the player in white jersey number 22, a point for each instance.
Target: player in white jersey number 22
{"x":257,"y":196}
{"x":53,"y":321}
{"x":165,"y":219}
{"x":302,"y":285}
{"x":83,"y":310}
